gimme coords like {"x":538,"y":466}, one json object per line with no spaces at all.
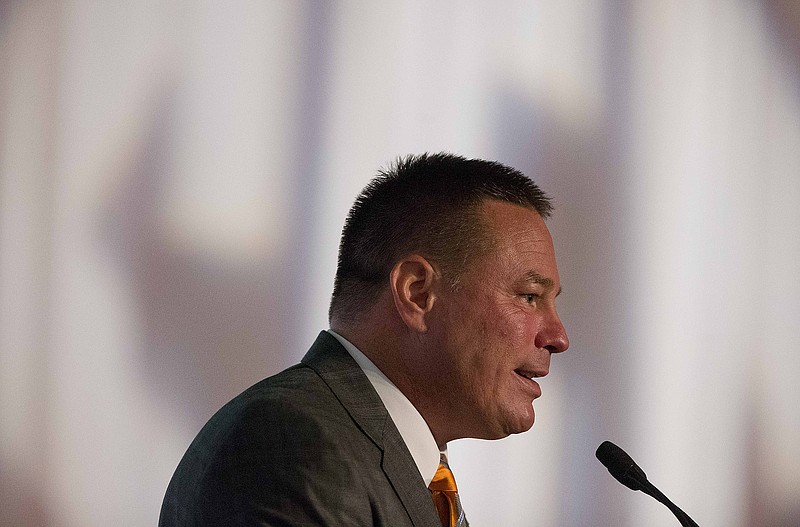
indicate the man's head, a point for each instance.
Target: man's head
{"x":428,"y":205}
{"x":447,"y":281}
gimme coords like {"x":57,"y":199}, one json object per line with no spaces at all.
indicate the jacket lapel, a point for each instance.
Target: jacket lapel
{"x":350,"y":385}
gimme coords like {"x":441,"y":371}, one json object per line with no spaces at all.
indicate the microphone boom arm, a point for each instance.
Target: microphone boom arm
{"x":684,"y":518}
{"x":626,"y":471}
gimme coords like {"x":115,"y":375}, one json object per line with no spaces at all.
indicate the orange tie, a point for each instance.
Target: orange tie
{"x":445,"y":496}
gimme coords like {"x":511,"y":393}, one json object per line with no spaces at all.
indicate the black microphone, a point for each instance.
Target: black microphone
{"x":627,"y":472}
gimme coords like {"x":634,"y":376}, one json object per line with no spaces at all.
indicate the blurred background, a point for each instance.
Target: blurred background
{"x":174,"y":177}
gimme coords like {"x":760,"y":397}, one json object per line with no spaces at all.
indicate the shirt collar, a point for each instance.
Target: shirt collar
{"x":409,"y":422}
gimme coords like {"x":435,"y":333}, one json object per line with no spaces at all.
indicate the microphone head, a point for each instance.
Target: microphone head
{"x":621,"y":466}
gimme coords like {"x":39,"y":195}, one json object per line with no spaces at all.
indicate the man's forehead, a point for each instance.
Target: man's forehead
{"x":515,"y":220}
{"x":517,"y":228}
{"x":519,"y":235}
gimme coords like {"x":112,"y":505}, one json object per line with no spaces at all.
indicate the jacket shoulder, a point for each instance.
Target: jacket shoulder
{"x":285,"y":451}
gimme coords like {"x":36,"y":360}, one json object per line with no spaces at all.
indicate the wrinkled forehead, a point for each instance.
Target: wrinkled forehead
{"x":520,"y":239}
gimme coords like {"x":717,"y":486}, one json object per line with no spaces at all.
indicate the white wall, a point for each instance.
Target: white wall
{"x":173,"y":180}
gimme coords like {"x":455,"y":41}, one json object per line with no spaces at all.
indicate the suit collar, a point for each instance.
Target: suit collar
{"x":349,"y":384}
{"x":409,"y":422}
{"x":353,"y":390}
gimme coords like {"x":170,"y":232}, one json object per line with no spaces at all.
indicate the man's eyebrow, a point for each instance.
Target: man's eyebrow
{"x":536,"y":278}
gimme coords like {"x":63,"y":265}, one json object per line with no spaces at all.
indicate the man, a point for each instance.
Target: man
{"x":443,"y":313}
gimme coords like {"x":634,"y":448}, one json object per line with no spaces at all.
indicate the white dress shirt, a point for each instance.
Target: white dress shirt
{"x":412,"y":427}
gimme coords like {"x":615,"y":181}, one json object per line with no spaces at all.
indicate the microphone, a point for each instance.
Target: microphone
{"x":626,"y":471}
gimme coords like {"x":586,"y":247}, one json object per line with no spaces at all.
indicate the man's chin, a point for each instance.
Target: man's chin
{"x":527,"y":422}
{"x":520,"y":424}
{"x":502,"y":425}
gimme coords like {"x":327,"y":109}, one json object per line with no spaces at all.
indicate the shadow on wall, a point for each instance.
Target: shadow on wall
{"x":23,"y":505}
{"x":784,"y":19}
{"x":206,"y":331}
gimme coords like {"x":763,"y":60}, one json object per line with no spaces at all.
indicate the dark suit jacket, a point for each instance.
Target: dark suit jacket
{"x":312,"y":445}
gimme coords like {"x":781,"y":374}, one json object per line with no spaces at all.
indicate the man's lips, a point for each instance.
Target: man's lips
{"x":526,"y":377}
{"x":530,"y":374}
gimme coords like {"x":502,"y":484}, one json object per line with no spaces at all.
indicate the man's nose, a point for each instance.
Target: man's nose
{"x":552,"y":336}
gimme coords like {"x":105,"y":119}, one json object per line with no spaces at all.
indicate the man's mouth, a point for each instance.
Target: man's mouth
{"x":529,"y":374}
{"x":527,"y":379}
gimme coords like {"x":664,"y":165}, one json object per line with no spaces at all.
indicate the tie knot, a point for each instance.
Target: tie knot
{"x":445,"y":496}
{"x":443,"y":480}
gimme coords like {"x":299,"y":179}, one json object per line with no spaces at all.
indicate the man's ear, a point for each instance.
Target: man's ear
{"x":412,"y":282}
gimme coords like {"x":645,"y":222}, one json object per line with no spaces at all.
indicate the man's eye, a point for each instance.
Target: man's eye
{"x":530,"y":297}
